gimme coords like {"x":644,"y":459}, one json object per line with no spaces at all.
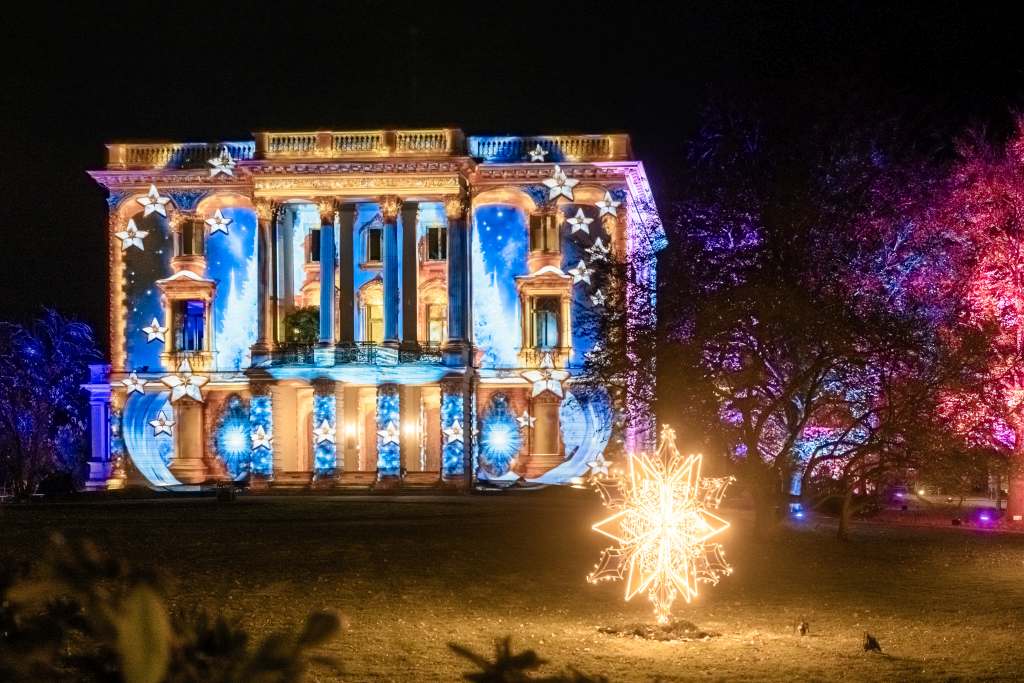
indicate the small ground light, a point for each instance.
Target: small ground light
{"x":920,"y":492}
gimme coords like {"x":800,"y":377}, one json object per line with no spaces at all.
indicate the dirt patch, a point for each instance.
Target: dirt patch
{"x":676,"y":630}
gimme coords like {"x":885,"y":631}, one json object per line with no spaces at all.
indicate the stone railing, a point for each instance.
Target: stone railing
{"x":355,"y":144}
{"x":557,"y":148}
{"x":157,"y":155}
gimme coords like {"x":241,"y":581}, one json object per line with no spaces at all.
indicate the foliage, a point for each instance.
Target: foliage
{"x":43,"y":410}
{"x":302,"y":326}
{"x":510,"y":667}
{"x":86,"y":616}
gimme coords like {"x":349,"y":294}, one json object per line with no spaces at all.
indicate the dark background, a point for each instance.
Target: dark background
{"x":76,"y":77}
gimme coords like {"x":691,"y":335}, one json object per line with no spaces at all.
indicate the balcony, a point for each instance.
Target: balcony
{"x":365,"y":353}
{"x":557,"y":148}
{"x":323,"y":145}
{"x":157,"y":155}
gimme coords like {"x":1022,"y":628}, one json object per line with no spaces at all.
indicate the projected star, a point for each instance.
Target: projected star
{"x":580,"y":273}
{"x":133,"y":384}
{"x":218,"y":223}
{"x":526,"y":421}
{"x":662,"y":523}
{"x":598,"y":298}
{"x":154,"y":201}
{"x":131,"y":236}
{"x":598,"y":466}
{"x":324,"y":433}
{"x":454,"y":433}
{"x":546,"y":378}
{"x":538,"y":153}
{"x":597,"y":251}
{"x":222,"y":164}
{"x":155,"y":331}
{"x":559,"y":184}
{"x":389,"y":434}
{"x":607,"y":205}
{"x":580,"y":223}
{"x":184,"y":383}
{"x":260,"y":438}
{"x":161,"y":425}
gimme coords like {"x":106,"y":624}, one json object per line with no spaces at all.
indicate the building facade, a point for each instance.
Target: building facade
{"x":370,"y":308}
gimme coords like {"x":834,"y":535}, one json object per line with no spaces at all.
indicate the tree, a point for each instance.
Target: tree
{"x":43,"y":411}
{"x":302,"y":326}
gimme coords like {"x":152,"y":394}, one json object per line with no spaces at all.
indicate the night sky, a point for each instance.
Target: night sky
{"x":76,"y":78}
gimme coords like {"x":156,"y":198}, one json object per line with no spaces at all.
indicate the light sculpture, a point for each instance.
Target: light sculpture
{"x":154,"y":202}
{"x":663,"y":526}
{"x":538,"y":153}
{"x":598,"y":298}
{"x":185,"y":383}
{"x":559,"y":184}
{"x":580,"y":273}
{"x":218,"y":223}
{"x":222,"y":164}
{"x":608,"y":206}
{"x":131,"y":236}
{"x":580,"y":223}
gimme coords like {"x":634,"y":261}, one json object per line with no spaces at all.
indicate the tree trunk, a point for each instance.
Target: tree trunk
{"x":765,"y":495}
{"x":844,"y":515}
{"x":1015,"y":492}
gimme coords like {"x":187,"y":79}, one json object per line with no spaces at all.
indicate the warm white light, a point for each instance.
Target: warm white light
{"x":350,"y":430}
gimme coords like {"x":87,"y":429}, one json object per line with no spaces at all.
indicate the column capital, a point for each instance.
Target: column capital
{"x":455,"y":206}
{"x":390,"y":205}
{"x":265,"y":208}
{"x":327,"y":207}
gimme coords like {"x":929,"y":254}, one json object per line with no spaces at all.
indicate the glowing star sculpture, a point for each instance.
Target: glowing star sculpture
{"x":597,"y":251}
{"x":222,"y":163}
{"x":324,"y":433}
{"x":559,"y":184}
{"x":161,"y":425}
{"x":218,"y":223}
{"x":454,"y":433}
{"x":390,"y":433}
{"x":260,"y":438}
{"x":526,"y":421}
{"x":185,"y":383}
{"x":155,"y":331}
{"x":580,"y":273}
{"x":546,"y":378}
{"x":133,"y":384}
{"x":153,"y":201}
{"x":662,"y":523}
{"x":131,"y":236}
{"x":537,"y":153}
{"x":580,"y":223}
{"x":608,"y":206}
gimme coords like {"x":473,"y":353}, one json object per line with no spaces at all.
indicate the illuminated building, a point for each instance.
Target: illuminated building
{"x":443,"y":343}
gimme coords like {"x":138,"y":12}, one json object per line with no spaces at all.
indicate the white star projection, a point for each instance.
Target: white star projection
{"x":608,"y":206}
{"x":222,"y":164}
{"x":598,"y":298}
{"x":597,"y":251}
{"x":559,"y":184}
{"x":218,"y":223}
{"x":155,"y":331}
{"x":389,"y":434}
{"x":580,"y":273}
{"x":325,"y":432}
{"x":260,"y":438}
{"x":546,"y":378}
{"x":185,"y":383}
{"x":662,"y":523}
{"x":154,"y":201}
{"x":580,"y":223}
{"x":161,"y":425}
{"x":131,"y":236}
{"x":526,"y":421}
{"x":538,"y":153}
{"x":598,"y":466}
{"x":133,"y":384}
{"x":454,"y":433}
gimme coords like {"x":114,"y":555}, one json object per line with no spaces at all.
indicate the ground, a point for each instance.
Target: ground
{"x":412,"y":574}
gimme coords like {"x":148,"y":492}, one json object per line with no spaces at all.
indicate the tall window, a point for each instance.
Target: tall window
{"x":192,"y":238}
{"x":437,"y":323}
{"x":314,"y":245}
{"x":374,"y":322}
{"x":374,"y":244}
{"x":545,"y":322}
{"x":544,"y":233}
{"x":190,"y":319}
{"x":437,"y":243}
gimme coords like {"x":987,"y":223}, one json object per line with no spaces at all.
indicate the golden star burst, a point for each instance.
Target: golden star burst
{"x":662,"y":523}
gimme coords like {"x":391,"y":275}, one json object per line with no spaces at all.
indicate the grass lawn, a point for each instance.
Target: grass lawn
{"x":412,"y":574}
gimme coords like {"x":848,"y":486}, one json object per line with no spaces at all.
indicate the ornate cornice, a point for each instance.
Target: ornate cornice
{"x":456,"y":165}
{"x":311,"y":186}
{"x":264,"y":208}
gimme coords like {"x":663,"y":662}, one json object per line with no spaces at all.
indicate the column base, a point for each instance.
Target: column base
{"x":191,"y":471}
{"x":323,"y":356}
{"x":261,"y":353}
{"x":387,"y":484}
{"x":99,"y":476}
{"x":456,"y":353}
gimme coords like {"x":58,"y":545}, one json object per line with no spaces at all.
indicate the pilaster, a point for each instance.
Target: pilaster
{"x":389,"y":209}
{"x":324,"y":353}
{"x":456,"y":347}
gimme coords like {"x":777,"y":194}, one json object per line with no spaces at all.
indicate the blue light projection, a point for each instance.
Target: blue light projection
{"x":451,"y":453}
{"x":499,"y":252}
{"x":586,"y":419}
{"x":150,"y":454}
{"x":231,"y":438}
{"x":389,"y":457}
{"x":325,"y":452}
{"x":142,"y":297}
{"x":231,"y":263}
{"x":500,"y":439}
{"x":261,"y":414}
{"x":584,"y":313}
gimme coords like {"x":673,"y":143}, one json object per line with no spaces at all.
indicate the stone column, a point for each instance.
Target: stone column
{"x":389,"y":208}
{"x":324,"y":354}
{"x":346,"y":274}
{"x":325,"y":431}
{"x":261,"y":432}
{"x":99,"y":427}
{"x":410,"y":272}
{"x":188,"y":466}
{"x":266,"y":213}
{"x":452,"y":425}
{"x":389,"y":460}
{"x":456,"y":347}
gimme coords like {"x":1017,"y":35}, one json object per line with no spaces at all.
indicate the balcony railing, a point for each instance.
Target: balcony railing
{"x":174,"y":154}
{"x":557,"y":148}
{"x":366,"y":353}
{"x":359,"y":144}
